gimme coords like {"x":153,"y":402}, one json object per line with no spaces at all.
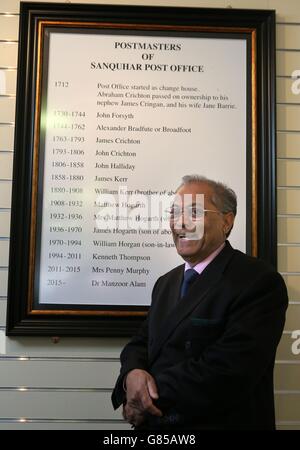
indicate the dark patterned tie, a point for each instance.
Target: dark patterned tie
{"x":190,"y":276}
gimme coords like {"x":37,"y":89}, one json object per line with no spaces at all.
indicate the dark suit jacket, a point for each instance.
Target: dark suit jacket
{"x":212,"y":353}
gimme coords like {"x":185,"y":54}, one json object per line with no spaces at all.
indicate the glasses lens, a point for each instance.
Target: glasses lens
{"x":174,"y":213}
{"x":195,"y":213}
{"x":192,"y":213}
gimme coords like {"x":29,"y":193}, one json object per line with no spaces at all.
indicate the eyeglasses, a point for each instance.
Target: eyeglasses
{"x":192,"y":212}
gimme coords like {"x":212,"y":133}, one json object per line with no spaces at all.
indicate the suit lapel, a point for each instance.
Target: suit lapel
{"x":198,"y":291}
{"x":174,"y":293}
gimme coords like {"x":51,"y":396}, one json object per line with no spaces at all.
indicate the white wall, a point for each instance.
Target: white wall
{"x":68,"y":385}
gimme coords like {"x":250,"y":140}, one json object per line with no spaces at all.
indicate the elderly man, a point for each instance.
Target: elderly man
{"x":204,"y":357}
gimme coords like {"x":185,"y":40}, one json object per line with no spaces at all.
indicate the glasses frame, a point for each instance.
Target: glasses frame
{"x":204,"y":211}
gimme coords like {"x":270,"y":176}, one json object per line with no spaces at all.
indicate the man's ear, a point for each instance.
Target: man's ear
{"x":228,"y":222}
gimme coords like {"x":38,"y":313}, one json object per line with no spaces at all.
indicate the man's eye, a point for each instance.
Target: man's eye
{"x":197,"y":212}
{"x":175,"y":212}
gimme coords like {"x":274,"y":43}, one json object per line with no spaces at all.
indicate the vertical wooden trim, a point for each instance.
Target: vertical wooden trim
{"x":254,"y":145}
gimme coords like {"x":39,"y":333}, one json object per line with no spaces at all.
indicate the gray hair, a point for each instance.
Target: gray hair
{"x":224,"y":198}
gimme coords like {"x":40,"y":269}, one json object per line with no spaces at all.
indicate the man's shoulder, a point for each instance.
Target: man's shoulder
{"x":242,"y":261}
{"x":175,"y":272}
{"x":243,"y":270}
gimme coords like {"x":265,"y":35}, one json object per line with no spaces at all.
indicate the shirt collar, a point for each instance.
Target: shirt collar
{"x":203,"y":264}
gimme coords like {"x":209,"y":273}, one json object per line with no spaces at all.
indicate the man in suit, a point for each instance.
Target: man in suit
{"x":204,"y":357}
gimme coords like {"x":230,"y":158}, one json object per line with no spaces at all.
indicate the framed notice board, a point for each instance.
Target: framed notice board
{"x":114,"y":105}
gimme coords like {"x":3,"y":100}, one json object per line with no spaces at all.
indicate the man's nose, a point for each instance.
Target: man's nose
{"x":187,"y":223}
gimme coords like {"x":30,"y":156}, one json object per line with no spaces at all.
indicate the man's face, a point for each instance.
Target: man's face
{"x":216,"y":224}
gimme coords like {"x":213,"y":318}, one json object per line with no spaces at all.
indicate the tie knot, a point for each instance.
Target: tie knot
{"x":190,"y":276}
